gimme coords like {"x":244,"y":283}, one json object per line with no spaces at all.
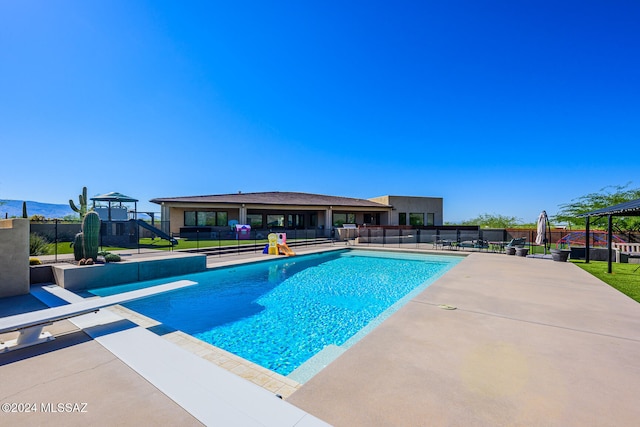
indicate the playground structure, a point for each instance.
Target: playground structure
{"x":119,"y":223}
{"x":278,"y":245}
{"x":579,"y":238}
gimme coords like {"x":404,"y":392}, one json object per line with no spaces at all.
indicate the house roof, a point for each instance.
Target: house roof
{"x":631,"y":208}
{"x":275,"y":198}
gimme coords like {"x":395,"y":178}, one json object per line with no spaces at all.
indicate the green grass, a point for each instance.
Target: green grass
{"x":533,"y":249}
{"x":623,"y":277}
{"x":65,"y":248}
{"x":194,"y":244}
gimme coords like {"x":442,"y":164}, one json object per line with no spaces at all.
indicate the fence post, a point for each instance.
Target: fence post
{"x":56,"y":240}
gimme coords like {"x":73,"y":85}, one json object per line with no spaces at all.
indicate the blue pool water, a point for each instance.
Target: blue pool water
{"x":279,"y":314}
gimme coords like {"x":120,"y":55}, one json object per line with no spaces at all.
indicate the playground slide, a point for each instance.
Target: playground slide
{"x":286,"y":250}
{"x":161,"y":234}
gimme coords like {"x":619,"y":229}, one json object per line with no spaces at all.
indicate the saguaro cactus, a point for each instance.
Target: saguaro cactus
{"x":91,"y":235}
{"x":82,"y":198}
{"x":78,"y":250}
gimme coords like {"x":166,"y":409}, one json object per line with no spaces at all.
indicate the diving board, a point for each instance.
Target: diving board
{"x":30,"y":324}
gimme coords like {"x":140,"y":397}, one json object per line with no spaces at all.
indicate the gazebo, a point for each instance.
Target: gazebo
{"x":115,"y":210}
{"x":631,"y":208}
{"x":116,"y":228}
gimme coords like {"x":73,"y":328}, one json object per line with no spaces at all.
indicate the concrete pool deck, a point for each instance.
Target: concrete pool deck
{"x":532,"y":342}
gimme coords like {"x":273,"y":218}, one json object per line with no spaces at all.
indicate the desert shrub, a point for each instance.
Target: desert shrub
{"x":38,"y":245}
{"x":109,"y":257}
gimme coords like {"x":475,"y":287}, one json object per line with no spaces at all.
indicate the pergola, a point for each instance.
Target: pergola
{"x":631,"y":208}
{"x":114,"y":197}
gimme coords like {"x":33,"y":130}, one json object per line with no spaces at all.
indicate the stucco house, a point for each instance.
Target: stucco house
{"x":275,"y":211}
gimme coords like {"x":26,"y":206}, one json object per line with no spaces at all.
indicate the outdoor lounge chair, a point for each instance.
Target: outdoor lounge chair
{"x":517,"y":243}
{"x":475,"y":244}
{"x":514,"y":244}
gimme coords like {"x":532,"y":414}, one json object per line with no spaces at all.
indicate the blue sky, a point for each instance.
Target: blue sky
{"x":499,"y":107}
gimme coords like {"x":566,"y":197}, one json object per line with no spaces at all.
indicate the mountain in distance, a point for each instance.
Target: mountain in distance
{"x":13,"y":208}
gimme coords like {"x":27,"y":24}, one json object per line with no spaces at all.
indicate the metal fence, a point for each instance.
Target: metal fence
{"x":426,"y":238}
{"x":216,"y":243}
{"x":229,"y":242}
{"x":436,"y":238}
{"x":223,"y":242}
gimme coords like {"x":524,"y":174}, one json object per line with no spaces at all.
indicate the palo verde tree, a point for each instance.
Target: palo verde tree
{"x":608,"y":196}
{"x":82,"y":199}
{"x":493,"y":221}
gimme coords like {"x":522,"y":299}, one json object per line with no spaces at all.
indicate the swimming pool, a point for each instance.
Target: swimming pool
{"x":282,"y":314}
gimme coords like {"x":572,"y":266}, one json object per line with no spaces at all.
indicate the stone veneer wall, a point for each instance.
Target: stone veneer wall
{"x":14,"y":257}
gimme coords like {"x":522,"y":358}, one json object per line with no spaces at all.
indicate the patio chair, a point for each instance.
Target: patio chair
{"x":517,"y":243}
{"x":514,"y":244}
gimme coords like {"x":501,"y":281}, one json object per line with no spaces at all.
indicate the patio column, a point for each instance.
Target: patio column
{"x":588,"y":248}
{"x":609,"y":245}
{"x":165,"y":218}
{"x":243,"y":214}
{"x":328,"y":221}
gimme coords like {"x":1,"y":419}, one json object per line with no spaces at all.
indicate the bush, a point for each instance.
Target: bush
{"x":34,"y":261}
{"x":109,"y":257}
{"x":38,"y":245}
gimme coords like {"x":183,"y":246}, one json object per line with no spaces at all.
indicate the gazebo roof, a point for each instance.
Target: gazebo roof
{"x":631,"y":208}
{"x":114,"y":197}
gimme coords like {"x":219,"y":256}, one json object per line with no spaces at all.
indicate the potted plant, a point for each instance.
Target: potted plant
{"x":560,"y":255}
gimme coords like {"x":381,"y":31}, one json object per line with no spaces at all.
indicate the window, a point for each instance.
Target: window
{"x":295,"y":221}
{"x":343,"y":218}
{"x":402,"y":218}
{"x":416,"y":219}
{"x":205,"y":218}
{"x":431,"y":219}
{"x":221,"y":219}
{"x":254,"y":220}
{"x":275,"y":220}
{"x":190,"y":219}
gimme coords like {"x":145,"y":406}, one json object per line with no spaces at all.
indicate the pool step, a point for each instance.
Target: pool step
{"x":320,"y":360}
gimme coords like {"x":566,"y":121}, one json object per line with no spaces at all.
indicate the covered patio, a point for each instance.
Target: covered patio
{"x":631,"y":208}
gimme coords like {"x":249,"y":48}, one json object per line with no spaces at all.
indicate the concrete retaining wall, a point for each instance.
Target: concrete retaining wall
{"x":14,"y":257}
{"x":74,"y":277}
{"x":41,"y":274}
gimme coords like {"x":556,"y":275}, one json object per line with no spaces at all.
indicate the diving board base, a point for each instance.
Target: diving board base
{"x":30,"y":324}
{"x":27,"y":338}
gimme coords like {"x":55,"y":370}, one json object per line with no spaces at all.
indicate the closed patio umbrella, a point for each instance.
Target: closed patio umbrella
{"x":541,"y":238}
